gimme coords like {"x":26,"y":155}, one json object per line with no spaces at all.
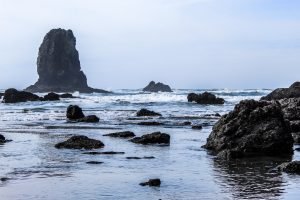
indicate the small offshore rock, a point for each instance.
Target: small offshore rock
{"x":152,"y":183}
{"x":14,"y":96}
{"x":80,"y":142}
{"x":138,"y":158}
{"x":104,"y":153}
{"x":89,"y":119}
{"x":150,"y":123}
{"x":124,"y":134}
{"x":94,"y":162}
{"x":157,"y":87}
{"x":290,"y":167}
{"x":152,"y":138}
{"x":51,"y":97}
{"x":74,"y":112}
{"x":145,"y":112}
{"x":205,"y":98}
{"x":66,"y":95}
{"x":199,"y":127}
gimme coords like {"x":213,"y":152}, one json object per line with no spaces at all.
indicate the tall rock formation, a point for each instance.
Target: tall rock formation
{"x":58,"y":65}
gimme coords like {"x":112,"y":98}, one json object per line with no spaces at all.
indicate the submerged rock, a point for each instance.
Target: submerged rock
{"x":152,"y":182}
{"x":104,"y":153}
{"x":157,"y":87}
{"x":252,"y":129}
{"x":58,"y":65}
{"x":144,"y":112}
{"x":205,"y":98}
{"x":138,"y":158}
{"x":89,"y":119}
{"x":124,"y":134}
{"x":74,"y":112}
{"x":94,"y":162}
{"x":80,"y":142}
{"x":290,"y":167}
{"x":281,"y":93}
{"x":153,"y":138}
{"x":150,"y":123}
{"x":199,"y":127}
{"x":14,"y":96}
{"x":51,"y":97}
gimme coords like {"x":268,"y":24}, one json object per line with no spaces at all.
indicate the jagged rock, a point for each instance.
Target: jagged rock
{"x":252,"y":129}
{"x":80,"y":142}
{"x":144,"y":112}
{"x":157,"y":87}
{"x":74,"y":112}
{"x":66,"y":95}
{"x":89,"y":119}
{"x":124,"y":134}
{"x":152,"y":182}
{"x":51,"y":97}
{"x":205,"y":98}
{"x":150,"y":123}
{"x":281,"y":93}
{"x":58,"y":65}
{"x":290,"y":167}
{"x":153,"y":138}
{"x":14,"y":96}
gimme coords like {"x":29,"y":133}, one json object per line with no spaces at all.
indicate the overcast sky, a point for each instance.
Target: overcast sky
{"x":184,"y":43}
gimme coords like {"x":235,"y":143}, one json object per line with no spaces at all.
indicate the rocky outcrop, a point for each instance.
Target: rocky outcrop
{"x":14,"y":96}
{"x":124,"y":134}
{"x":80,"y":142}
{"x":157,"y":87}
{"x":152,"y":183}
{"x":205,"y":98}
{"x":153,"y":138}
{"x":281,"y":93}
{"x":144,"y":112}
{"x":290,"y":167}
{"x":252,"y":129}
{"x":51,"y":97}
{"x":58,"y":65}
{"x":74,"y":113}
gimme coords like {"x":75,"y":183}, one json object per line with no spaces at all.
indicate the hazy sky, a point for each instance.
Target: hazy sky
{"x":184,"y":43}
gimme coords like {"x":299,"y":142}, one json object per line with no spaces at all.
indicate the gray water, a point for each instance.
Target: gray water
{"x":37,"y":170}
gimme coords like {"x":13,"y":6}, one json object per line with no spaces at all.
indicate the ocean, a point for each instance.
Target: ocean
{"x":32,"y":168}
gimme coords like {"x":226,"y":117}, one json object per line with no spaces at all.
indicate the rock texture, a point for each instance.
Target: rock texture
{"x":14,"y":96}
{"x":144,"y":112}
{"x":58,"y":65}
{"x":80,"y":142}
{"x":281,"y":93}
{"x":290,"y":167}
{"x":252,"y":129}
{"x":153,"y":138}
{"x":157,"y":87}
{"x":205,"y":98}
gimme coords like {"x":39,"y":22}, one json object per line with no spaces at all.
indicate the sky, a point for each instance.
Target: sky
{"x":193,"y":44}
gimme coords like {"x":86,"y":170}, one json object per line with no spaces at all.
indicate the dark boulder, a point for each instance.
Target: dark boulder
{"x":74,"y":112}
{"x":144,"y":112}
{"x":150,"y":123}
{"x":66,"y":95}
{"x":153,"y":138}
{"x":152,"y":182}
{"x":124,"y":134}
{"x":290,"y":167}
{"x":157,"y":87}
{"x":80,"y":142}
{"x":58,"y":65}
{"x":205,"y":98}
{"x":14,"y":96}
{"x":51,"y":97}
{"x":253,"y":128}
{"x":281,"y":93}
{"x":199,"y":127}
{"x":2,"y":139}
{"x":89,"y":119}
{"x":94,"y":162}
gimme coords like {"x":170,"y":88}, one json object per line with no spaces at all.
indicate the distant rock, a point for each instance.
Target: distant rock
{"x":94,"y":162}
{"x":66,"y":95}
{"x":150,"y":123}
{"x":89,"y":119}
{"x":80,"y":142}
{"x":290,"y":167}
{"x":144,"y":112}
{"x":2,"y":139}
{"x":124,"y":134}
{"x":282,"y":93}
{"x":74,"y":112}
{"x":153,"y":138}
{"x":152,"y":182}
{"x":157,"y":87}
{"x":199,"y":127}
{"x":253,"y":128}
{"x":51,"y":97}
{"x":139,"y":158}
{"x":104,"y":153}
{"x":14,"y":96}
{"x":58,"y":65}
{"x":205,"y":98}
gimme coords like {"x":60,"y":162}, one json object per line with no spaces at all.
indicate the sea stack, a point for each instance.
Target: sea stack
{"x":58,"y":65}
{"x":157,"y":87}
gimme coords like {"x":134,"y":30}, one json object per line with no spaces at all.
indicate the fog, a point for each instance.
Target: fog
{"x":184,"y":43}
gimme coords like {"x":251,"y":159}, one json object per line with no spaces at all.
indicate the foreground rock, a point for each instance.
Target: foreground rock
{"x":281,"y":93}
{"x":153,"y":138}
{"x":144,"y":112}
{"x":152,"y":182}
{"x":252,"y":129}
{"x":290,"y":167}
{"x":14,"y":96}
{"x":75,"y":114}
{"x":124,"y":134}
{"x":58,"y":65}
{"x":80,"y":142}
{"x":157,"y":87}
{"x":205,"y":98}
